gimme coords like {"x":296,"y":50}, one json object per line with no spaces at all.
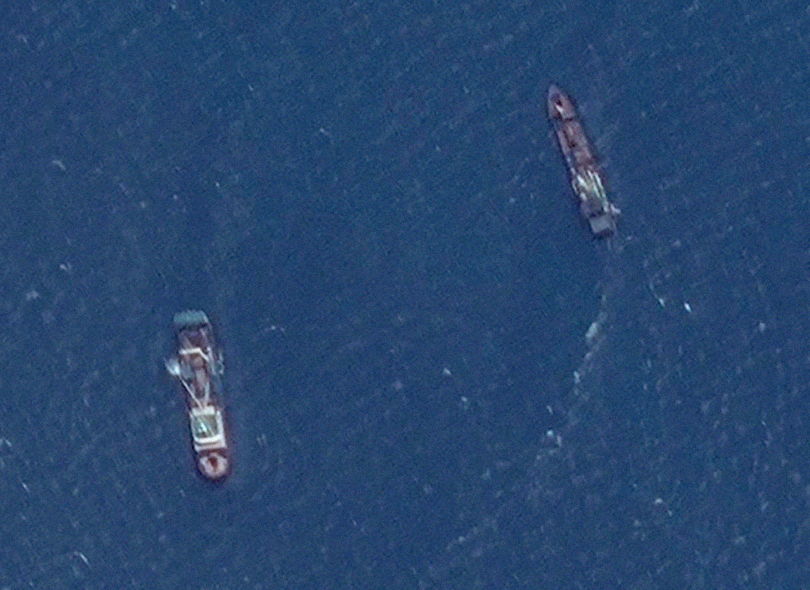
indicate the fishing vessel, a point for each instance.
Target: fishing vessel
{"x":586,"y":178}
{"x":198,"y":367}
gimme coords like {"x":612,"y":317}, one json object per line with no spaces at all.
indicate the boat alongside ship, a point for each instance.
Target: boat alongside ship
{"x":586,"y":177}
{"x":198,"y":367}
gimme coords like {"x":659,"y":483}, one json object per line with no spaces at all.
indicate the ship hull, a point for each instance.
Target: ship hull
{"x":198,"y":367}
{"x":586,"y":177}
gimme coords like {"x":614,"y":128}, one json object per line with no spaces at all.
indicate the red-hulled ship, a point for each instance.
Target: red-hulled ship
{"x":586,"y":179}
{"x":198,"y":367}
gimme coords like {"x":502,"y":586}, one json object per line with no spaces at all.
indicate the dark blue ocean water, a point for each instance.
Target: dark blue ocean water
{"x":367,"y":200}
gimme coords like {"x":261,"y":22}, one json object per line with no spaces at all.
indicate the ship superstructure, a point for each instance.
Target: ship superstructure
{"x":198,"y":367}
{"x":586,"y":178}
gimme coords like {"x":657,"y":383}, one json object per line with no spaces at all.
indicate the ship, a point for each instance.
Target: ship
{"x":586,"y":177}
{"x":198,"y":367}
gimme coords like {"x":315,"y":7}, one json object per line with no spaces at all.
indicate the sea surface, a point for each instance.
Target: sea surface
{"x":368,"y":201}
